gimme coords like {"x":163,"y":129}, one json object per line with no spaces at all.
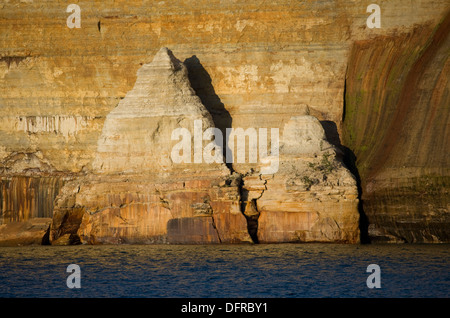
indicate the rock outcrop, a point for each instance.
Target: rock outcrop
{"x":28,"y":186}
{"x":138,"y":194}
{"x":312,"y":197}
{"x":31,"y":232}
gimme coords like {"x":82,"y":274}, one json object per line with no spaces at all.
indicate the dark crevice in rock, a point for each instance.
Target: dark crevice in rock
{"x":215,"y":228}
{"x":46,"y":237}
{"x":64,"y":232}
{"x":252,"y":221}
{"x":345,"y":93}
{"x":350,"y":162}
{"x":249,"y":209}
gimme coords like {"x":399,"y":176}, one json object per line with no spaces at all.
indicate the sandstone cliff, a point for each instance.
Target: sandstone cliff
{"x":137,"y":193}
{"x":380,"y":94}
{"x":396,"y":121}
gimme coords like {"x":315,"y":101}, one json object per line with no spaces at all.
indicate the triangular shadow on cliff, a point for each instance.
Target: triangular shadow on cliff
{"x":349,"y":160}
{"x":202,"y":85}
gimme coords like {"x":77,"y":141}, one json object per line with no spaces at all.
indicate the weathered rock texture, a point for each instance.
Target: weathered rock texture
{"x":34,"y":231}
{"x":397,"y":121}
{"x":140,"y":195}
{"x":312,"y":197}
{"x":137,"y":194}
{"x":28,"y":187}
{"x":253,"y":64}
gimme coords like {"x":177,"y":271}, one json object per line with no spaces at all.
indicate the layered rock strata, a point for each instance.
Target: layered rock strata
{"x":253,"y":64}
{"x":312,"y":197}
{"x":139,"y":194}
{"x":396,"y":121}
{"x":28,"y":186}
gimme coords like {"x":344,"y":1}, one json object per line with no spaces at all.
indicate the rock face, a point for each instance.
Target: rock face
{"x":312,"y":197}
{"x":137,"y":194}
{"x":380,"y":94}
{"x":397,"y":124}
{"x":137,"y":134}
{"x":127,"y":209}
{"x":33,"y":231}
{"x":28,"y":187}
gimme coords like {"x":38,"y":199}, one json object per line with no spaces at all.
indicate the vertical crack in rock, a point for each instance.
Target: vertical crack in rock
{"x":210,"y":211}
{"x":215,"y":228}
{"x":46,"y":237}
{"x":344,"y":94}
{"x":249,"y":206}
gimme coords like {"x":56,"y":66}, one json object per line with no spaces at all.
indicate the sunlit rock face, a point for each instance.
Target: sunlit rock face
{"x":252,"y":64}
{"x":136,"y":193}
{"x":28,"y":187}
{"x":137,"y":134}
{"x":312,"y":197}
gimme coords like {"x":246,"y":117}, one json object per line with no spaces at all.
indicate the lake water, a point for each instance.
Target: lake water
{"x":200,"y":271}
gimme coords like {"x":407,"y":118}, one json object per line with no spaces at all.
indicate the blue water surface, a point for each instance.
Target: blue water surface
{"x":200,"y":271}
